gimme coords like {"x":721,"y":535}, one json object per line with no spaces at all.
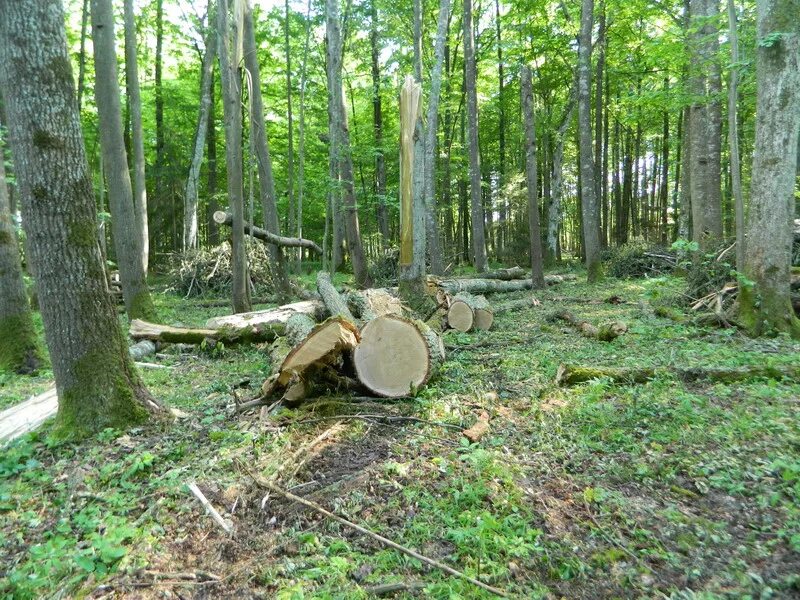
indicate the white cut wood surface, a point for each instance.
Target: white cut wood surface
{"x":314,"y":308}
{"x":27,"y":416}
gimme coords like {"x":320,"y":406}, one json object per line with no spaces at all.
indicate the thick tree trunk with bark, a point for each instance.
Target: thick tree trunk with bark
{"x":537,"y":268}
{"x":18,"y":350}
{"x":431,"y":213}
{"x":266,"y":179}
{"x":231,"y":101}
{"x":766,"y":306}
{"x":137,"y":134}
{"x":590,"y":209}
{"x":301,"y":135}
{"x":191,"y":197}
{"x":96,"y":381}
{"x":127,"y":241}
{"x":476,"y":204}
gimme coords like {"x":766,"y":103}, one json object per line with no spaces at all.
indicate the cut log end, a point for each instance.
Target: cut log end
{"x":460,"y":316}
{"x":484,"y":319}
{"x":393,"y":358}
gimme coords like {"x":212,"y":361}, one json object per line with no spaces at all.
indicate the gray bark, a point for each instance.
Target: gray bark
{"x":767,"y":305}
{"x":554,"y":208}
{"x":537,"y":268}
{"x":377,"y":123}
{"x":301,"y":135}
{"x":266,"y":179}
{"x":733,"y":135}
{"x":290,"y":125}
{"x":590,"y":208}
{"x":17,"y":336}
{"x":231,"y":103}
{"x":96,"y":381}
{"x":342,"y":143}
{"x":433,"y":240}
{"x":127,"y":240}
{"x":476,"y":204}
{"x":137,"y":134}
{"x":201,"y":133}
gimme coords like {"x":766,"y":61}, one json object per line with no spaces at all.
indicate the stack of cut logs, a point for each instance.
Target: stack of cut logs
{"x":364,"y":340}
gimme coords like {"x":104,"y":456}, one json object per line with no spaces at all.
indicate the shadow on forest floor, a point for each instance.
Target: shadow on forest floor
{"x":597,"y":490}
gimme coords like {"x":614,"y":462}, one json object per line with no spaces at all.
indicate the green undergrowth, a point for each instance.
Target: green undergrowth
{"x":663,"y":489}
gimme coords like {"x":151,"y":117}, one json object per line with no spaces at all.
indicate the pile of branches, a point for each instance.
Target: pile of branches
{"x":637,"y":259}
{"x":209,"y":270}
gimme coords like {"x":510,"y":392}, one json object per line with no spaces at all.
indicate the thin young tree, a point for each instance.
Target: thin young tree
{"x":96,"y":381}
{"x":377,"y":124}
{"x":137,"y":134}
{"x":191,"y":196}
{"x":127,"y":241}
{"x":531,"y":179}
{"x":733,"y":135}
{"x":18,"y":351}
{"x":590,"y":207}
{"x":266,"y":179}
{"x":228,"y":38}
{"x":290,"y":121}
{"x":301,"y":134}
{"x":476,"y":204}
{"x":765,"y":305}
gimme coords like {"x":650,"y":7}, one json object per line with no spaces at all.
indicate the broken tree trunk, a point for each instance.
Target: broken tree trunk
{"x":334,"y":302}
{"x":575,"y":374}
{"x":225,"y":218}
{"x":394,"y":358}
{"x":605,"y":332}
{"x":265,"y":332}
{"x":275,"y":317}
{"x":493,"y":286}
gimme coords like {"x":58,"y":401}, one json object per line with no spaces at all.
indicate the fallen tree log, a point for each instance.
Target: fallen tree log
{"x":516,"y":272}
{"x":333,"y":301}
{"x":395,"y":358}
{"x":605,"y":332}
{"x":467,"y":311}
{"x":272,"y":316}
{"x":265,"y":332}
{"x":494,"y":286}
{"x":225,"y":218}
{"x":575,"y":374}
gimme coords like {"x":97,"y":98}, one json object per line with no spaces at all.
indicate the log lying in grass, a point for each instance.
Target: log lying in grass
{"x":467,"y":312}
{"x":605,"y":333}
{"x":575,"y":374}
{"x":270,"y":317}
{"x":298,"y":327}
{"x":506,"y":274}
{"x":395,"y":358}
{"x":226,"y":218}
{"x":494,"y":286}
{"x":484,"y":314}
{"x":334,"y":302}
{"x":144,"y":330}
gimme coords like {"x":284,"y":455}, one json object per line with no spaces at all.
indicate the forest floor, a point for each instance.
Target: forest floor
{"x":592,"y":491}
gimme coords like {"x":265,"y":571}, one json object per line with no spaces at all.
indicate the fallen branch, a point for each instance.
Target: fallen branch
{"x":377,"y":537}
{"x":265,"y":332}
{"x":575,"y":374}
{"x":225,"y":218}
{"x":210,"y":508}
{"x":605,"y":333}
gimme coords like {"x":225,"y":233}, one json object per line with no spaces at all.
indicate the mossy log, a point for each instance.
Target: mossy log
{"x":336,"y":305}
{"x":226,"y":218}
{"x":271,"y":317}
{"x":396,"y":356}
{"x":265,"y":332}
{"x":575,"y":374}
{"x":606,"y":332}
{"x":495,"y":286}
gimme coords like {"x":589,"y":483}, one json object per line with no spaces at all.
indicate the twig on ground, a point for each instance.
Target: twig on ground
{"x":379,"y":418}
{"x":210,"y":508}
{"x":385,"y":589}
{"x":379,"y":538}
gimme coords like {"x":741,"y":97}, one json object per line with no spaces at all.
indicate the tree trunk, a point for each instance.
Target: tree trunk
{"x":377,"y":124}
{"x":733,"y":135}
{"x":501,"y":133}
{"x":301,"y":134}
{"x":589,"y":205}
{"x":431,"y":213}
{"x":598,"y":124}
{"x":766,"y":305}
{"x":290,"y":125}
{"x":231,"y":102}
{"x":211,"y":181}
{"x":82,"y":53}
{"x":226,"y":218}
{"x":537,"y":272}
{"x":266,"y":179}
{"x":137,"y":134}
{"x":159,"y":103}
{"x":96,"y":382}
{"x":685,"y":207}
{"x":201,"y":133}
{"x":342,"y":143}
{"x":554,"y":212}
{"x":18,"y":350}
{"x":470,"y":66}
{"x":127,"y":241}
